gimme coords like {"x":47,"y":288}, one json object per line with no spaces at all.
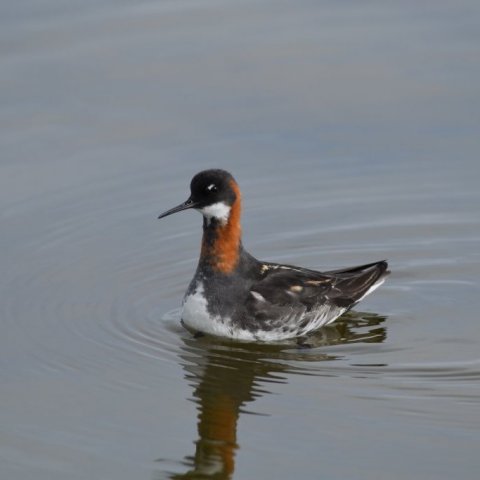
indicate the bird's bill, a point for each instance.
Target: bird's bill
{"x":183,"y":206}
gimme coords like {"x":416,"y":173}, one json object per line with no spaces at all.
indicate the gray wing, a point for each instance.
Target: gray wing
{"x":301,"y":298}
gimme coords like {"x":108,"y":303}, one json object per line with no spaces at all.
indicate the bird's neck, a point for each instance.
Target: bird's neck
{"x":222,"y":242}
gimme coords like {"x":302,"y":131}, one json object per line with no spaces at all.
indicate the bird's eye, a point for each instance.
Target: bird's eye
{"x":211,"y":188}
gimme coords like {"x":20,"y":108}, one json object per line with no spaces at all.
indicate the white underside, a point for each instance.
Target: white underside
{"x":372,"y":288}
{"x":196,"y":317}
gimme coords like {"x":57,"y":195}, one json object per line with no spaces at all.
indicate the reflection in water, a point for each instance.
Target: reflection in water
{"x":227,"y":375}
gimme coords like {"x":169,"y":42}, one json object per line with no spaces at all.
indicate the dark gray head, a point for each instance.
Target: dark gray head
{"x":213,"y":193}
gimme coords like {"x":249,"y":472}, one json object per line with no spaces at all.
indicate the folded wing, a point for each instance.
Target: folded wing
{"x":302,"y":299}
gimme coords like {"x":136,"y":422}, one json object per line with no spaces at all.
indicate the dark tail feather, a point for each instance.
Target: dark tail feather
{"x":382,"y":266}
{"x":357,"y":282}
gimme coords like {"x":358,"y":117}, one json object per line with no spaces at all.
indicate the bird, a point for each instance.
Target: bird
{"x":234,"y":295}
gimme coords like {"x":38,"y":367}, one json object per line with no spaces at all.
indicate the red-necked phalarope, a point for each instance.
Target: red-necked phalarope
{"x":234,"y":295}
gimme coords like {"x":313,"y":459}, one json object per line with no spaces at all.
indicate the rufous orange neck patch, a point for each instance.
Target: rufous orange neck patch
{"x":223,"y":252}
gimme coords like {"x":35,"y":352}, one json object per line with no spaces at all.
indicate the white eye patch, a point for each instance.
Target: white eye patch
{"x":212,"y":187}
{"x":219,"y":211}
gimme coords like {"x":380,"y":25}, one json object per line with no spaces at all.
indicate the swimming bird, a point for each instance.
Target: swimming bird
{"x":234,"y":295}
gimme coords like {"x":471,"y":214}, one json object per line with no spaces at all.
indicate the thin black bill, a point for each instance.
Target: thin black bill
{"x":183,"y":206}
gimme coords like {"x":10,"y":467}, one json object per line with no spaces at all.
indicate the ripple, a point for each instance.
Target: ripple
{"x":78,"y":301}
{"x":100,"y":281}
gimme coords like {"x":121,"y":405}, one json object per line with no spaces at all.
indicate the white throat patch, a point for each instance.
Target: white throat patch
{"x":219,"y":211}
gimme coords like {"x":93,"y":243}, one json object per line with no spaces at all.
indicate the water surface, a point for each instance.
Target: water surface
{"x":353,"y":130}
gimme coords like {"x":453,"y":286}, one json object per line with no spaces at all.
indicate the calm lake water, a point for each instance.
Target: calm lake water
{"x":353,"y":130}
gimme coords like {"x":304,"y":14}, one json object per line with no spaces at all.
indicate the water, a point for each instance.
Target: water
{"x":353,"y":130}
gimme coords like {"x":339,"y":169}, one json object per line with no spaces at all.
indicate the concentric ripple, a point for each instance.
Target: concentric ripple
{"x":94,"y":284}
{"x":101,"y":280}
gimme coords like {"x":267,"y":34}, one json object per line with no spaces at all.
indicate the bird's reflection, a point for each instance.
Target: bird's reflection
{"x":226,"y":376}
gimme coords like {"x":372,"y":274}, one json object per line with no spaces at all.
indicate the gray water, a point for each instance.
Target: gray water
{"x":353,"y":130}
